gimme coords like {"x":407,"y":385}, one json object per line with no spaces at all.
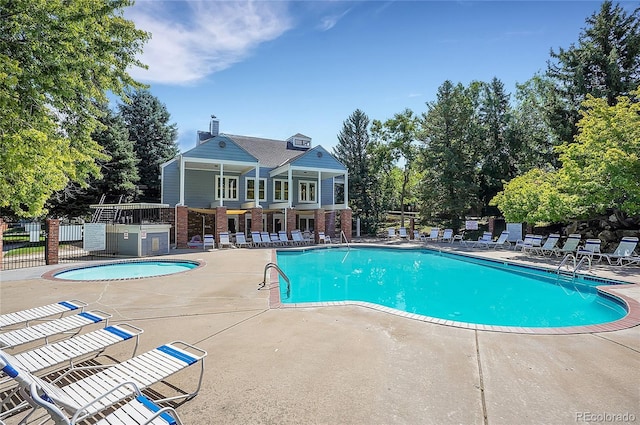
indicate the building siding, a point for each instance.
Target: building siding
{"x":212,"y":150}
{"x":171,"y":184}
{"x":311,"y":159}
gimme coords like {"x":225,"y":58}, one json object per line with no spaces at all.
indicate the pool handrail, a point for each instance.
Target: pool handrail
{"x":279,"y":270}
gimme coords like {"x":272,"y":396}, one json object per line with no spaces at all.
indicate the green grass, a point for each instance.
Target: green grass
{"x":25,"y":250}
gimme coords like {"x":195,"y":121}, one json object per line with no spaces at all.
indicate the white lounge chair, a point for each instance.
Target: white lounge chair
{"x":591,"y":249}
{"x":23,"y":317}
{"x":224,"y":240}
{"x":296,"y":235}
{"x":59,"y":354}
{"x":549,"y":246}
{"x":391,"y":233}
{"x":324,"y":238}
{"x":447,"y":235}
{"x":534,"y":245}
{"x":65,"y":325}
{"x":570,"y":245}
{"x":521,"y":243}
{"x":434,"y":234}
{"x":92,"y":394}
{"x":486,"y":238}
{"x":241,"y":240}
{"x":402,"y":232}
{"x":275,"y":239}
{"x":266,"y":239}
{"x":624,"y":252}
{"x":284,"y":239}
{"x":209,"y":241}
{"x":501,"y":242}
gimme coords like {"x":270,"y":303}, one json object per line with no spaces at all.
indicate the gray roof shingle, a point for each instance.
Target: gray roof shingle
{"x":270,"y":152}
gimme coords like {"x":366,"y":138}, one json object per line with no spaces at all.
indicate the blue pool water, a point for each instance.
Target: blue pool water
{"x":128,"y":270}
{"x":444,"y":286}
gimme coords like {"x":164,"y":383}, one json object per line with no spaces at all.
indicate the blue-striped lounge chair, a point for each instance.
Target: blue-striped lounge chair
{"x":24,"y":317}
{"x":88,"y":396}
{"x":66,"y":325}
{"x":624,"y":252}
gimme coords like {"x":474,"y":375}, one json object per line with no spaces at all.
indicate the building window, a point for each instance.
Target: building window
{"x":227,"y":188}
{"x":250,"y":187}
{"x":307,"y":191}
{"x":280,"y":190}
{"x":338,"y":190}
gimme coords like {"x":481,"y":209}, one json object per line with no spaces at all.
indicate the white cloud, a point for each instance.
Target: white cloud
{"x":193,"y":39}
{"x":330,"y":21}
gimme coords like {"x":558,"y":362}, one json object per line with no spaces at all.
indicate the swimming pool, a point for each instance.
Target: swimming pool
{"x":445,"y":286}
{"x":126,"y":270}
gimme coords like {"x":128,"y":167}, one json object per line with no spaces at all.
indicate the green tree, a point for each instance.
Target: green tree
{"x":154,"y":139}
{"x":600,"y":170}
{"x":119,"y":172}
{"x":605,"y":63}
{"x":57,"y":61}
{"x":499,"y":149}
{"x":353,"y":150}
{"x":400,"y":134}
{"x":449,"y":187}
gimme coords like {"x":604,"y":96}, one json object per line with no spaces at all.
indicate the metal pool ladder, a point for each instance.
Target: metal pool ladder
{"x":279,"y":270}
{"x":576,"y":264}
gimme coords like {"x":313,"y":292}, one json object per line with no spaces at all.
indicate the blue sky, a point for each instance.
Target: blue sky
{"x":275,"y":68}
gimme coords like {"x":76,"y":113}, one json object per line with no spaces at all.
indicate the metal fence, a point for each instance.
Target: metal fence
{"x":23,"y":245}
{"x":125,"y":232}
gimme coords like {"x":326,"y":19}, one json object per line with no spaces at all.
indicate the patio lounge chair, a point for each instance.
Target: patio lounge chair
{"x":391,"y":233}
{"x":323,"y":238}
{"x":482,"y":240}
{"x":502,"y":241}
{"x":112,"y":384}
{"x":256,"y":239}
{"x":549,"y":246}
{"x":266,"y":239}
{"x":534,"y":245}
{"x":447,"y":236}
{"x":434,"y":235}
{"x":402,"y":232}
{"x":284,"y":239}
{"x":275,"y":239}
{"x":241,"y":240}
{"x":68,"y":324}
{"x":65,"y":352}
{"x":209,"y":241}
{"x":570,"y":245}
{"x":296,"y":235}
{"x":25,"y":316}
{"x":520,"y":243}
{"x":224,"y":240}
{"x":591,"y":249}
{"x":624,"y":252}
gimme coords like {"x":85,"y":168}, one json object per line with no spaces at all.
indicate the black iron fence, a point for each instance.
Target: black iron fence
{"x":23,"y":245}
{"x":130,"y":231}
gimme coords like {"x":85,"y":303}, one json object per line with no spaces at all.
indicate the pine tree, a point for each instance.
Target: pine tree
{"x":605,"y":63}
{"x":154,"y":139}
{"x":353,"y":150}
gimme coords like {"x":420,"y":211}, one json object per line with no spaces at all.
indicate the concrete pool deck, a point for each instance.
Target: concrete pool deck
{"x":349,"y":364}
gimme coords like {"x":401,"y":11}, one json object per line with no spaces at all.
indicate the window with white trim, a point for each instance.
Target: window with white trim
{"x":250,"y":187}
{"x":306,"y":191}
{"x":280,"y":190}
{"x":227,"y":188}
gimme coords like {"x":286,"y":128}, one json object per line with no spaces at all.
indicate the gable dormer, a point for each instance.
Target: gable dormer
{"x":299,"y":142}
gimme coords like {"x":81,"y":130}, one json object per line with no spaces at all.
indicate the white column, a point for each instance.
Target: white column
{"x":221,"y":184}
{"x":346,"y":191}
{"x":290,"y":183}
{"x":256,"y":186}
{"x":182,"y":174}
{"x":319,"y":190}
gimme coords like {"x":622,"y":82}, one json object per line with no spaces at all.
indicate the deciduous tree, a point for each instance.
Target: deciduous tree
{"x":57,"y":61}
